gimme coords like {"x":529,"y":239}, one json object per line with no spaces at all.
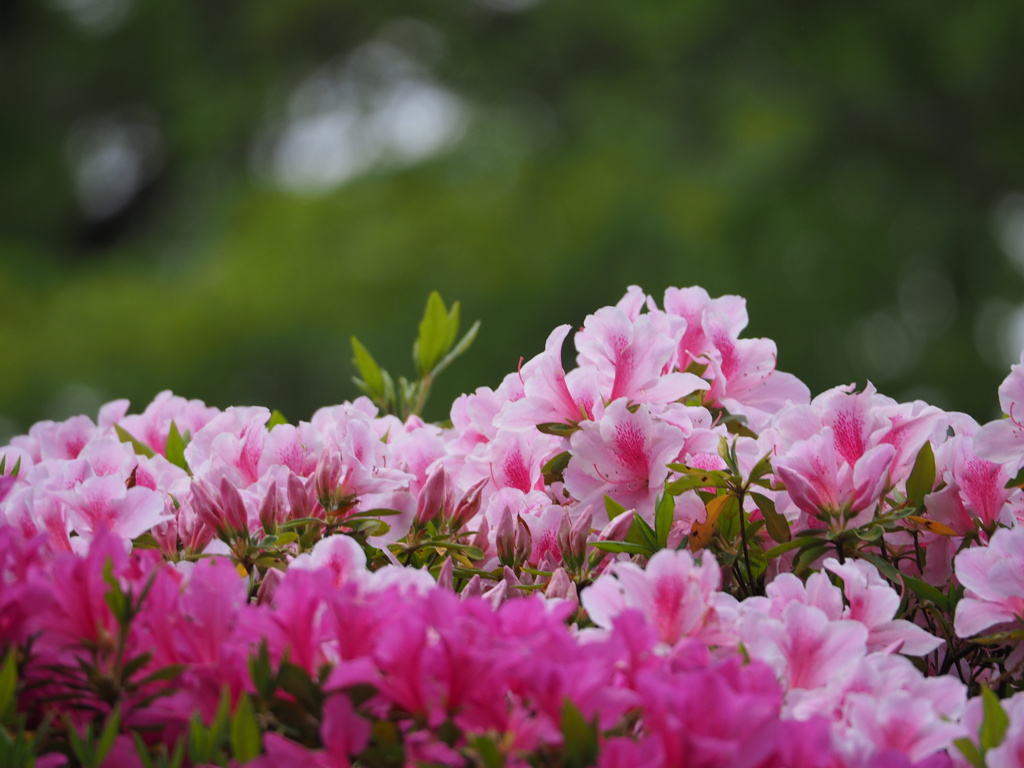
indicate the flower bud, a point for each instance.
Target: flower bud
{"x":524,"y":541}
{"x":560,"y":586}
{"x":617,"y":529}
{"x":270,"y":510}
{"x":480,"y":541}
{"x":326,"y":478}
{"x":235,"y":514}
{"x":468,"y":506}
{"x":474,"y":587}
{"x":434,"y":497}
{"x":445,"y":579}
{"x":504,"y":538}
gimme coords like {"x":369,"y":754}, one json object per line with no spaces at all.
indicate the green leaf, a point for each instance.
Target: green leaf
{"x":435,"y":334}
{"x":485,"y":747}
{"x":612,"y":507}
{"x":993,"y":727}
{"x":776,"y":525}
{"x":697,"y":478}
{"x":109,"y":734}
{"x":1016,"y":482}
{"x":922,"y":476}
{"x":970,"y":750}
{"x":276,"y":417}
{"x":557,"y":429}
{"x":664,"y":515}
{"x":579,"y":738}
{"x":807,"y":555}
{"x":140,"y":448}
{"x":373,"y":379}
{"x":460,"y":348}
{"x":622,"y":546}
{"x":245,"y":732}
{"x":553,"y":469}
{"x":640,"y":532}
{"x":175,"y":448}
{"x":8,"y":682}
{"x":115,"y":597}
{"x":802,"y":541}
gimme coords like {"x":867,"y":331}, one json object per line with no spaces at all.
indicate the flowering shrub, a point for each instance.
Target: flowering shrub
{"x":668,"y":555}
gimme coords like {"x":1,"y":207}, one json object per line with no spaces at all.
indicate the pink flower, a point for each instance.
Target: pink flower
{"x":634,"y":356}
{"x":624,"y":455}
{"x":825,"y":485}
{"x":1002,"y":441}
{"x":993,"y":578}
{"x":675,"y":594}
{"x":874,"y":604}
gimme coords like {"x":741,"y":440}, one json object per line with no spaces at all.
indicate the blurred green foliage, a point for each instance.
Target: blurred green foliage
{"x":847,"y":167}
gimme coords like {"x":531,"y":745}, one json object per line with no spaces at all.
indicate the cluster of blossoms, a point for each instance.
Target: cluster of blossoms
{"x":669,"y":554}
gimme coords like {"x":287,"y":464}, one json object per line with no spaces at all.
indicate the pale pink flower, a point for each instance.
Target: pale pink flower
{"x":624,"y":455}
{"x":874,"y":604}
{"x":674,"y":593}
{"x":993,"y":577}
{"x":549,"y":394}
{"x":1002,"y":441}
{"x":823,"y":484}
{"x":633,"y":356}
{"x":104,"y":503}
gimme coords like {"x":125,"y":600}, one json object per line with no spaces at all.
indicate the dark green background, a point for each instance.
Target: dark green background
{"x":849,"y":167}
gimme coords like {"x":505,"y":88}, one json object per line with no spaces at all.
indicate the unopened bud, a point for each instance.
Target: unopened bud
{"x":268,"y":586}
{"x":270,"y":509}
{"x":234,"y":508}
{"x":445,"y":577}
{"x":480,"y":540}
{"x":298,"y":498}
{"x":617,"y":529}
{"x":434,"y":497}
{"x":504,"y":538}
{"x":474,"y":587}
{"x":560,"y":586}
{"x":524,"y":541}
{"x":468,"y":505}
{"x":579,"y":534}
{"x":511,"y":582}
{"x":497,"y":594}
{"x":326,"y":478}
{"x":564,"y":532}
{"x":206,"y":505}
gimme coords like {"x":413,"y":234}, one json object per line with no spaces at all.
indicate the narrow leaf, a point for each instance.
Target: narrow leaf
{"x":922,"y":476}
{"x":432,"y":342}
{"x":245,"y":732}
{"x":175,"y":448}
{"x":664,"y":516}
{"x":276,"y":417}
{"x":8,"y":682}
{"x":460,"y":348}
{"x":776,"y":524}
{"x":553,"y":469}
{"x":612,"y":507}
{"x":970,"y":750}
{"x":368,"y":369}
{"x":932,"y":525}
{"x":109,"y":734}
{"x":140,"y":448}
{"x":993,"y":727}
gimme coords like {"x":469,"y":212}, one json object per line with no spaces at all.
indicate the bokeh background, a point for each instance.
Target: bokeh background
{"x":212,"y":197}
